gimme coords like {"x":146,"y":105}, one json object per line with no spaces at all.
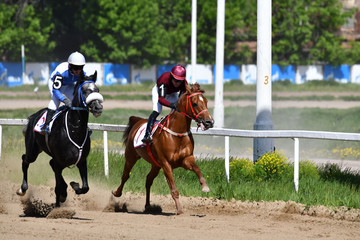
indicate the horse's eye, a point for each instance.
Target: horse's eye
{"x":195,"y":105}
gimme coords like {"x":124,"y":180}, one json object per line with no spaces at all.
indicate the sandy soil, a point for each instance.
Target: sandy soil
{"x":97,"y":215}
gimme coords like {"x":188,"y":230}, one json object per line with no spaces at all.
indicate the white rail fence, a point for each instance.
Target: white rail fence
{"x":226,"y":133}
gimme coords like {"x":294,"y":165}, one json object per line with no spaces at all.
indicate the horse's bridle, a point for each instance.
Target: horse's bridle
{"x":195,"y":118}
{"x":188,"y":102}
{"x":85,"y":101}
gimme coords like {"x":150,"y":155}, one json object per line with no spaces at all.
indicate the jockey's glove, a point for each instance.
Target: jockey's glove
{"x":173,"y":106}
{"x":67,"y":102}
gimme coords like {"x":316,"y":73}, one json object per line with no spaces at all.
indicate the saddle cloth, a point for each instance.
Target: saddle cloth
{"x":141,"y":133}
{"x":40,"y":123}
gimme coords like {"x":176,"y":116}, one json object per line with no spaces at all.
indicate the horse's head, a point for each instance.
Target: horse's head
{"x":194,"y":105}
{"x":86,"y":94}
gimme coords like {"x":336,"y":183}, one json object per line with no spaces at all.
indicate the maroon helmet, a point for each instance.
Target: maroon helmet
{"x":178,"y":72}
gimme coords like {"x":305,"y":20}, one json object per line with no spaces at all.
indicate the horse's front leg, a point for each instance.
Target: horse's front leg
{"x":189,"y":164}
{"x":83,"y":174}
{"x":60,"y":185}
{"x":174,"y":192}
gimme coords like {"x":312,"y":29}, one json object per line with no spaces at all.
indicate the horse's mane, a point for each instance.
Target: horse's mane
{"x":78,"y":82}
{"x":193,"y":88}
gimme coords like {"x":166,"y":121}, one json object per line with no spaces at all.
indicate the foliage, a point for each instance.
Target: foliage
{"x":271,"y":165}
{"x":146,"y":33}
{"x":334,"y":173}
{"x":27,"y":25}
{"x":308,"y":169}
{"x":305,"y":32}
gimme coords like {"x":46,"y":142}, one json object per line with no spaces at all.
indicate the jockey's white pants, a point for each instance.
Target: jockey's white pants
{"x":173,"y":97}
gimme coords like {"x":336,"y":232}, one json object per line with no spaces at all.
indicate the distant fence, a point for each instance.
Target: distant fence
{"x":38,"y":73}
{"x":292,"y":134}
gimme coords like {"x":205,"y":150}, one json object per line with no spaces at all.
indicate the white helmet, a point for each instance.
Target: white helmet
{"x":77,"y":59}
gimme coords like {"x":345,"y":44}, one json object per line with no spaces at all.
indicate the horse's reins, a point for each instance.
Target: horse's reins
{"x":196,"y":116}
{"x":82,"y":100}
{"x":76,"y":145}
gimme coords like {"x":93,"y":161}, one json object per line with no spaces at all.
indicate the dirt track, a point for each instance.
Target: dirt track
{"x":95,"y":218}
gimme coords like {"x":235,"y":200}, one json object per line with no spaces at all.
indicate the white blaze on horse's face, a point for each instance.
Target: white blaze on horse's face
{"x":94,"y":99}
{"x":92,"y":87}
{"x":201,"y":99}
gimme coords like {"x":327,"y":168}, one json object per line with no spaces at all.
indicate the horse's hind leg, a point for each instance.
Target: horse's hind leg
{"x":32,"y":152}
{"x":131,"y":158}
{"x":60,"y":186}
{"x":24,"y":186}
{"x":189,"y":164}
{"x":149,"y":181}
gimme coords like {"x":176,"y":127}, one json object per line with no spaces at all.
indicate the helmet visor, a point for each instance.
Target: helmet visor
{"x":76,"y":67}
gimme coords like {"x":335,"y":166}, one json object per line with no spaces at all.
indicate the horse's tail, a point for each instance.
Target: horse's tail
{"x":131,"y":123}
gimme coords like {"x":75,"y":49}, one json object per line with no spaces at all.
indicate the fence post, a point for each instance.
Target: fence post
{"x":227,"y":154}
{"x":296,"y":164}
{"x":106,"y":156}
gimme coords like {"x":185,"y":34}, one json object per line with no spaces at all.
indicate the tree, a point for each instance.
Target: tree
{"x":307,"y":32}
{"x":124,"y":32}
{"x":21,"y":24}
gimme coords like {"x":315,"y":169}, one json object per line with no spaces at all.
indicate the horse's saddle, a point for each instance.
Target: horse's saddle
{"x":40,"y":123}
{"x":141,"y":133}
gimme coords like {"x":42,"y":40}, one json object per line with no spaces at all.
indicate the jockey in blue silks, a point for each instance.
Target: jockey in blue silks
{"x":62,"y":82}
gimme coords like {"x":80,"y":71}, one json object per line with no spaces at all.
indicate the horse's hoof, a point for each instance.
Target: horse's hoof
{"x":179,"y":212}
{"x":205,"y":189}
{"x":62,"y":199}
{"x":20,"y":192}
{"x":75,"y":185}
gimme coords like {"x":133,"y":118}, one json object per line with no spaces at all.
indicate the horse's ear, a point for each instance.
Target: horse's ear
{"x":82,"y":76}
{"x":95,"y":76}
{"x":187,"y":88}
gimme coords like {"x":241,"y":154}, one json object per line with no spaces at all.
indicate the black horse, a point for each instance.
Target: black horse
{"x":69,"y":141}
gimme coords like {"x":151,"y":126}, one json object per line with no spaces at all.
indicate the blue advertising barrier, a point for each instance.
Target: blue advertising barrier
{"x":164,"y":68}
{"x":116,"y":74}
{"x":11,"y":74}
{"x":340,"y":73}
{"x":231,"y":72}
{"x":53,"y":65}
{"x":279,"y":73}
{"x":3,"y":74}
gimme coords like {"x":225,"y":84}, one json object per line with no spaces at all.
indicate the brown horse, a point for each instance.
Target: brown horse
{"x":172,"y":146}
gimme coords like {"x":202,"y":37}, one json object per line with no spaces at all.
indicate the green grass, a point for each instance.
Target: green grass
{"x":316,"y":188}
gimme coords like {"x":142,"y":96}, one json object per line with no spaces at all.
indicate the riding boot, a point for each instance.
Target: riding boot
{"x":150,"y":124}
{"x":49,"y":115}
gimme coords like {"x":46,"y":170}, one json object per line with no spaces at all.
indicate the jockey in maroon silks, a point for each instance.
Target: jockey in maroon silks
{"x":166,"y":92}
